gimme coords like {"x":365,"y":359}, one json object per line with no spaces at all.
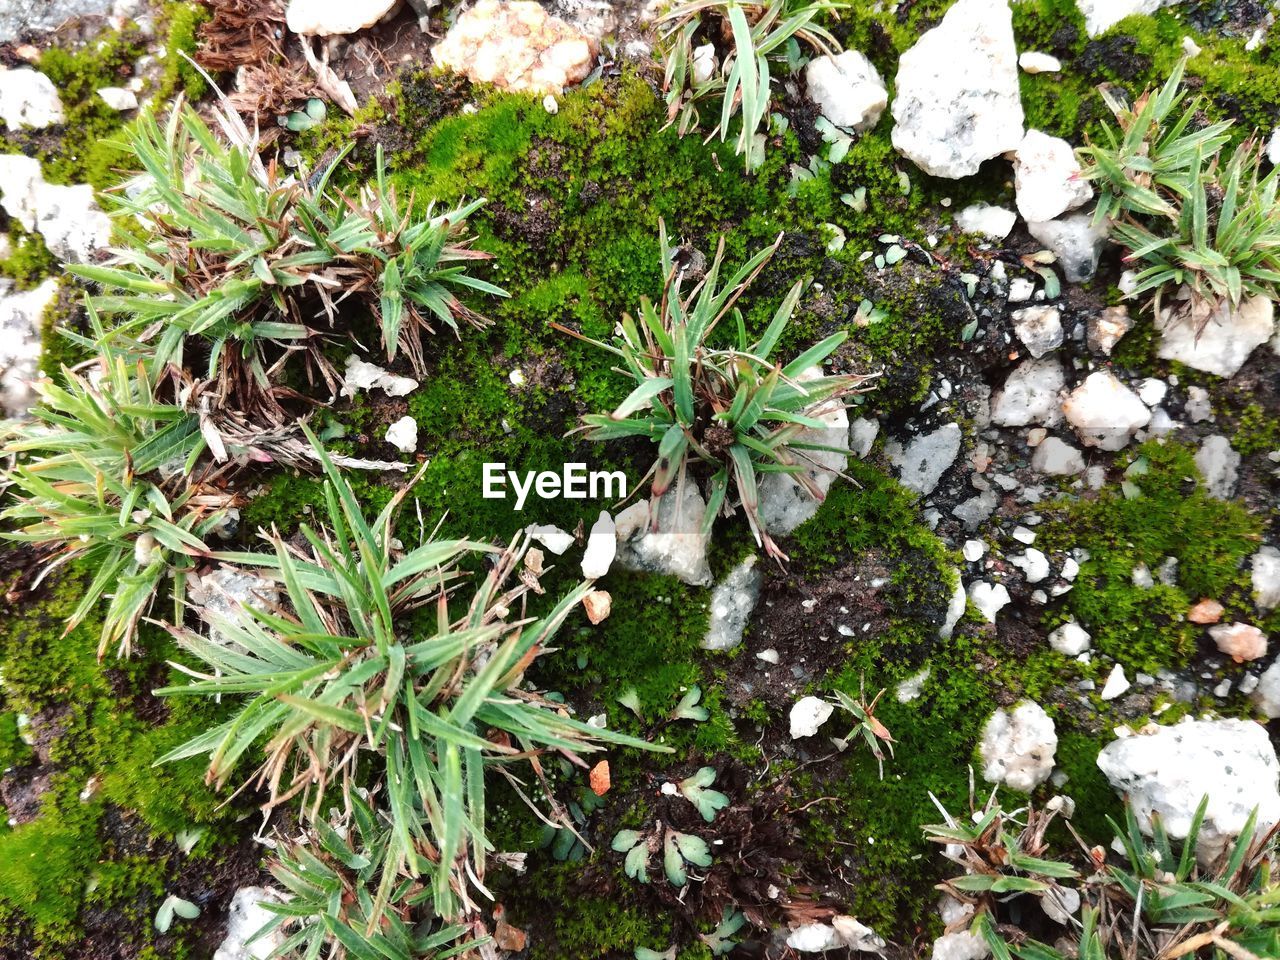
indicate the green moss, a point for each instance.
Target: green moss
{"x":29,"y":260}
{"x":179,"y":24}
{"x":1172,"y":517}
{"x":1257,"y":431}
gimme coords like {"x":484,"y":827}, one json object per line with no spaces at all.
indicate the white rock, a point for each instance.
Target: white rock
{"x":1032,"y":61}
{"x":1104,"y":412}
{"x":1039,"y":329}
{"x":1105,"y":329}
{"x":1070,"y":639}
{"x":847,"y":89}
{"x":973,"y":550}
{"x":1075,"y":241}
{"x":28,"y":100}
{"x":961,"y":945}
{"x":21,"y":315}
{"x":403,"y":435}
{"x":245,"y":918}
{"x":731,"y":604}
{"x":363,"y":375}
{"x":677,"y":546}
{"x":1266,"y":695}
{"x":993,"y":222}
{"x":1024,"y":535}
{"x":1102,"y":15}
{"x":1226,"y":337}
{"x":327,"y":18}
{"x":1152,"y":391}
{"x":989,"y":600}
{"x":1030,"y":395}
{"x":553,"y":538}
{"x":1018,"y":747}
{"x":1021,"y":290}
{"x":862,"y":436}
{"x":119,"y":98}
{"x":1198,"y":406}
{"x":1061,"y":904}
{"x":68,"y":218}
{"x":807,"y":715}
{"x":911,"y":688}
{"x":704,"y":63}
{"x":957,"y":101}
{"x":1273,"y":148}
{"x":1266,"y":578}
{"x":602,"y":547}
{"x":784,"y":502}
{"x":1033,"y":564}
{"x":1117,"y":683}
{"x":1168,"y":771}
{"x":1239,"y":641}
{"x":955,"y":609}
{"x":926,"y":458}
{"x":1057,"y":458}
{"x":1218,"y":465}
{"x":842,"y":933}
{"x":1047,"y":178}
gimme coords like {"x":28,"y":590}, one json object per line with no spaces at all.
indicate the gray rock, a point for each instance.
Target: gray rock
{"x":1215,"y":338}
{"x":731,"y":604}
{"x":1219,"y":466}
{"x":862,"y":436}
{"x":17,"y":20}
{"x":1018,"y":747}
{"x":676,"y":546}
{"x":21,"y":314}
{"x":1266,"y":695}
{"x":1057,"y":458}
{"x":974,"y":512}
{"x":1075,"y":241}
{"x":1039,"y":329}
{"x":957,"y":102}
{"x":1030,"y":395}
{"x":847,"y":89}
{"x":219,"y":597}
{"x":68,"y":218}
{"x":28,"y":100}
{"x":1168,"y":771}
{"x":926,"y":458}
{"x":1266,"y":578}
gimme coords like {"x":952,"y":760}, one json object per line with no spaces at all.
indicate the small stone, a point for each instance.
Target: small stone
{"x":957,"y":99}
{"x":1152,"y":391}
{"x":911,"y":688}
{"x":847,"y":89}
{"x":1057,"y":458}
{"x":119,"y":98}
{"x":403,"y":435}
{"x":1107,"y":328}
{"x":961,"y":945}
{"x":28,"y":100}
{"x":1023,"y":535}
{"x":675,"y":545}
{"x":1039,"y":328}
{"x":1033,"y":564}
{"x":1198,"y":406}
{"x":973,"y":550}
{"x":1018,"y":747}
{"x":1206,"y":612}
{"x":598,"y":604}
{"x":1047,"y":178}
{"x":989,"y":599}
{"x":862,"y":436}
{"x":1021,"y":290}
{"x":602,"y":547}
{"x":327,"y":18}
{"x":600,"y":779}
{"x":1032,"y":61}
{"x":1075,"y":240}
{"x":509,"y":938}
{"x":1070,"y":639}
{"x":1030,"y":395}
{"x":1141,"y":577}
{"x":1214,"y":337}
{"x":245,"y":918}
{"x":1266,"y":578}
{"x":995,"y":223}
{"x":807,"y":715}
{"x":551,"y":104}
{"x":1060,"y":904}
{"x":1101,"y":15}
{"x":975,"y":511}
{"x":768,"y":655}
{"x":1117,"y":683}
{"x":363,"y":375}
{"x":1219,"y":466}
{"x":1104,"y":412}
{"x":955,"y":609}
{"x":732,"y":602}
{"x":1266,"y":693}
{"x":553,"y":538}
{"x":926,"y":458}
{"x":1239,"y":641}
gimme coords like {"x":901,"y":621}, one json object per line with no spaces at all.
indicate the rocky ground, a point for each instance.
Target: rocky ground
{"x":1053,"y":543}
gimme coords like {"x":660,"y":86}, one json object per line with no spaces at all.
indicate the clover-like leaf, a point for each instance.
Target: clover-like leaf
{"x":695,"y":790}
{"x":688,"y":709}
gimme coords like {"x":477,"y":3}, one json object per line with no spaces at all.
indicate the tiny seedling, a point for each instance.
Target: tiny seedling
{"x":688,"y":709}
{"x":866,"y":724}
{"x":173,"y":907}
{"x":696,"y":790}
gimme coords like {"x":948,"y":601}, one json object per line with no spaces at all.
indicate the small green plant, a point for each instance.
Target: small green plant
{"x":678,"y":850}
{"x":172,"y":907}
{"x":104,"y":475}
{"x":724,"y":56}
{"x":866,"y":724}
{"x":733,"y":411}
{"x":333,"y":884}
{"x":368,"y":657}
{"x":1182,"y":213}
{"x":697,"y":790}
{"x":235,"y":260}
